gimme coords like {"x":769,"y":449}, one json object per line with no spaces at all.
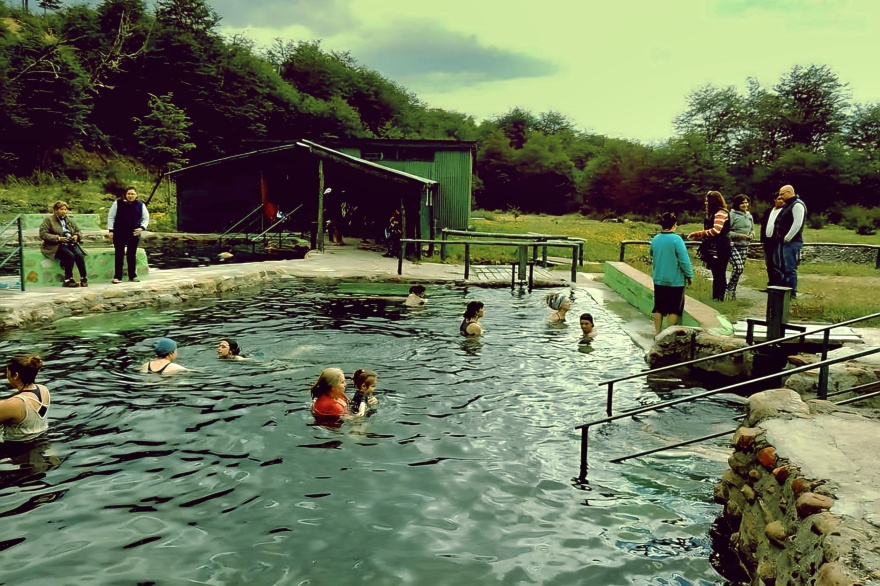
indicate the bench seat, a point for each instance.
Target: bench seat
{"x":39,"y":270}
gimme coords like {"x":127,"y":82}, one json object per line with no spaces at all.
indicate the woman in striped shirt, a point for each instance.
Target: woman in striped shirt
{"x":715,"y":249}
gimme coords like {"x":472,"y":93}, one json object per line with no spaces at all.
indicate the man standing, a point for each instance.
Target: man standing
{"x":127,"y":218}
{"x":769,"y":242}
{"x":788,"y":228}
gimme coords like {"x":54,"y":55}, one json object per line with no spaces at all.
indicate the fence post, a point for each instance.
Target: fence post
{"x":523,"y":261}
{"x":574,"y":264}
{"x":778,"y":303}
{"x":21,"y":278}
{"x":822,"y":391}
{"x":622,"y":249}
{"x":443,"y":245}
{"x":467,"y":261}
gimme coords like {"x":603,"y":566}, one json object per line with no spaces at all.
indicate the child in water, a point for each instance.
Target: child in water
{"x":365,"y":384}
{"x":416,"y":296}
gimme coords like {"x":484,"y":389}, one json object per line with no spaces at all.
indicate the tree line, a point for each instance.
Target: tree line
{"x":163,"y":86}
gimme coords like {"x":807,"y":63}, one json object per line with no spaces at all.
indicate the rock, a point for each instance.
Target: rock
{"x":800,"y":485}
{"x":833,"y":574}
{"x":680,"y":344}
{"x":826,"y":523}
{"x":748,"y":493}
{"x":802,"y":359}
{"x":810,"y":503}
{"x":781,"y":473}
{"x":784,"y":403}
{"x":766,"y":572}
{"x":767,"y":457}
{"x":776,"y":533}
{"x":745,"y":437}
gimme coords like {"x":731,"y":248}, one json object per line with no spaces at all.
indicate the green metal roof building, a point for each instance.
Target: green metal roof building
{"x":449,"y":163}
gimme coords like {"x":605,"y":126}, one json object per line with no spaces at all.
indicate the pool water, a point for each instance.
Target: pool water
{"x":464,"y":474}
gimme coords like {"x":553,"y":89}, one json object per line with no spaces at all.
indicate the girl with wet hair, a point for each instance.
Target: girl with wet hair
{"x":560,"y":305}
{"x":25,"y":415}
{"x":470,"y":325}
{"x":228,"y":349}
{"x":328,"y":394}
{"x":365,"y":385}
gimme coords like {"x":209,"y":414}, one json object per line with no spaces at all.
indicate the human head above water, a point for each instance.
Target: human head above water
{"x":417,"y":290}
{"x":26,"y":367}
{"x":586,"y":321}
{"x":557,"y":301}
{"x":327,"y":380}
{"x":667,"y":220}
{"x":472,"y":309}
{"x":364,"y":377}
{"x":164,"y":347}
{"x":228,"y":347}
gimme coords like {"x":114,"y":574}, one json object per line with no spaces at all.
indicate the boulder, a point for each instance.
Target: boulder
{"x":681,"y":344}
{"x":775,"y":403}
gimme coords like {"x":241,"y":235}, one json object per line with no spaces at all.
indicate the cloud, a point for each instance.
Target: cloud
{"x":327,"y":17}
{"x":424,"y":56}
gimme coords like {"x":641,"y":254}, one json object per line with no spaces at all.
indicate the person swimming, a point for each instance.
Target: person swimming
{"x":587,"y":328}
{"x":166,"y":354}
{"x":328,"y":394}
{"x":228,"y":349}
{"x":470,"y":325}
{"x":416,"y":296}
{"x":25,"y":415}
{"x":365,"y":385}
{"x":560,"y":305}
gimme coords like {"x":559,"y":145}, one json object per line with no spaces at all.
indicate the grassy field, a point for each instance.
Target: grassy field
{"x":36,"y":196}
{"x":850,"y":294}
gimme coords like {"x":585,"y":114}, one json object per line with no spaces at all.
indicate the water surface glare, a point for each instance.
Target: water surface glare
{"x":463,"y":474}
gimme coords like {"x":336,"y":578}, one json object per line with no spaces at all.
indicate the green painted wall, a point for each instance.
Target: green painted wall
{"x":452,"y":170}
{"x":39,"y":270}
{"x":84,"y":221}
{"x":638,"y":290}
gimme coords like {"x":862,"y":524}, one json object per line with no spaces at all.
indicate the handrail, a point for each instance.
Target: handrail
{"x":467,"y":251}
{"x":19,"y":250}
{"x":238,"y":223}
{"x":585,"y":427}
{"x":774,"y":342}
{"x":535,"y":237}
{"x":625,"y":243}
{"x":278,"y":223}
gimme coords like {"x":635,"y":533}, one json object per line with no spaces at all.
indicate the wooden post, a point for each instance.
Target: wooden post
{"x":320,"y":232}
{"x":778,"y":303}
{"x":443,"y":236}
{"x":523,"y":261}
{"x":574,"y":264}
{"x":467,"y":261}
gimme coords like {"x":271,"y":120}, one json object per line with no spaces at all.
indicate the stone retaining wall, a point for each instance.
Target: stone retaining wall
{"x":783,"y":532}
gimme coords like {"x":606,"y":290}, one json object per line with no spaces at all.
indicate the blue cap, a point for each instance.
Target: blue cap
{"x":164,"y":346}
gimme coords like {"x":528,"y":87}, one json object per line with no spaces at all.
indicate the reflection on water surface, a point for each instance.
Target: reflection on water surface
{"x":463,"y":475}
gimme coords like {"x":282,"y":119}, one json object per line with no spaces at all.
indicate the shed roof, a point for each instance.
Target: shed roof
{"x":320,"y":150}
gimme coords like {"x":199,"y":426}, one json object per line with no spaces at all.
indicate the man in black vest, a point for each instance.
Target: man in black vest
{"x":127,"y":218}
{"x":788,"y":228}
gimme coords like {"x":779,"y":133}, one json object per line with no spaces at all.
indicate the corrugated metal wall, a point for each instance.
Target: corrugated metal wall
{"x":452,"y":169}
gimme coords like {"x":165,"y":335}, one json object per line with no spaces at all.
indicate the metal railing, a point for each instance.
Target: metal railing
{"x":244,"y":225}
{"x":688,"y":243}
{"x":574,"y":246}
{"x":799,"y":336}
{"x":533,"y":237}
{"x":585,"y":427}
{"x":17,"y":253}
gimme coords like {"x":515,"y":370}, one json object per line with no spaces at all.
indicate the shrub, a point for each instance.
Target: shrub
{"x":817,"y":221}
{"x":863,"y":220}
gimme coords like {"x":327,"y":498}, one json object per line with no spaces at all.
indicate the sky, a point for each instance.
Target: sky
{"x":623,"y":68}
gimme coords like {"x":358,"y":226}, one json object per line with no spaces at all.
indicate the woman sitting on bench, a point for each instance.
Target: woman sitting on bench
{"x":61,"y":238}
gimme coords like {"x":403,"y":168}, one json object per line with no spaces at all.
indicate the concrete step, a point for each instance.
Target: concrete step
{"x":39,"y":270}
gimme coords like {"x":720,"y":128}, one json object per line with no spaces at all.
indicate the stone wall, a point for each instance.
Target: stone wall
{"x":782,"y":530}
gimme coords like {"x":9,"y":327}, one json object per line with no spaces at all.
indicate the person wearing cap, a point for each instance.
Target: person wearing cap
{"x":166,"y":354}
{"x":560,"y":305}
{"x":61,"y":238}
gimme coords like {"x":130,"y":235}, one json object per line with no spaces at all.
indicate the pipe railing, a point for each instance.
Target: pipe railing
{"x":798,"y":336}
{"x":235,"y":226}
{"x":467,"y":250}
{"x":625,"y":243}
{"x":534,"y":237}
{"x":17,"y":250}
{"x":585,"y":427}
